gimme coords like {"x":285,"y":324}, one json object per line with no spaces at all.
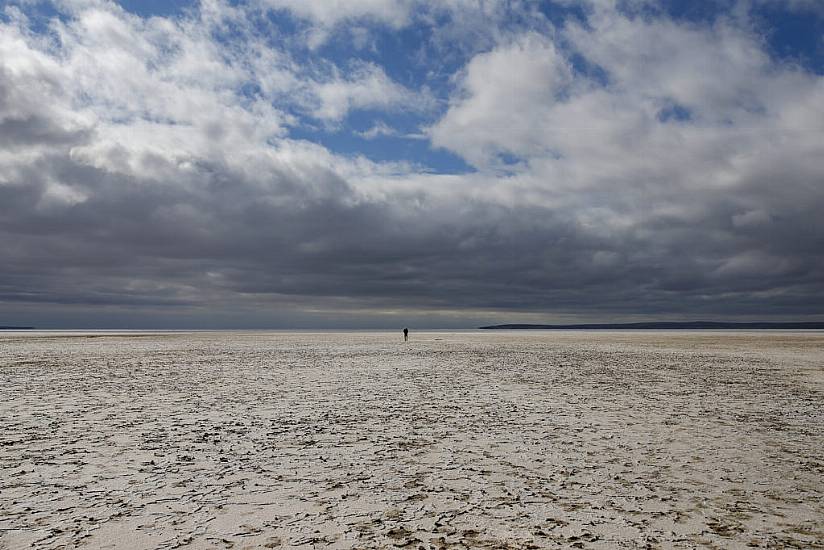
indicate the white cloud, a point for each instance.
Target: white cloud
{"x":331,"y":12}
{"x":365,"y":87}
{"x":503,"y":99}
{"x":524,"y":99}
{"x":378,"y":130}
{"x":462,"y":24}
{"x":166,"y":88}
{"x":325,"y":15}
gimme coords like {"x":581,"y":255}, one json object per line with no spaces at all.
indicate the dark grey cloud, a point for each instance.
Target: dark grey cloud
{"x":148,"y":243}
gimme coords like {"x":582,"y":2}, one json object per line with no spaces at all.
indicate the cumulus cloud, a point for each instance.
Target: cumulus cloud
{"x":365,"y":86}
{"x":330,"y":13}
{"x":606,"y":145}
{"x":621,"y":166}
{"x":503,"y":96}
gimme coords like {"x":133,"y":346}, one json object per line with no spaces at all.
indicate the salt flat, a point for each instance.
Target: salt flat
{"x":454,"y":440}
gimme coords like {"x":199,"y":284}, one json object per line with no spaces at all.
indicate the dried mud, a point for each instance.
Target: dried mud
{"x":454,"y":440}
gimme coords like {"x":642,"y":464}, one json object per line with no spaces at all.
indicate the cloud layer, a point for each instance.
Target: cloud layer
{"x":203,"y":168}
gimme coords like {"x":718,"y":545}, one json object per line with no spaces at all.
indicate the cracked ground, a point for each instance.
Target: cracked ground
{"x":453,"y":440}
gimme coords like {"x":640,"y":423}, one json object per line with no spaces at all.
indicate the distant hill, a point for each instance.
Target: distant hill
{"x":16,"y":328}
{"x":666,"y":325}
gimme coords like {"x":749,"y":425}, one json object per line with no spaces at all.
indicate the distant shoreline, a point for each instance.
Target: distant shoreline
{"x":16,"y":328}
{"x":666,"y":325}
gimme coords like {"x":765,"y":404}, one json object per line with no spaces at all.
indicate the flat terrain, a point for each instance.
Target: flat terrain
{"x":454,"y":440}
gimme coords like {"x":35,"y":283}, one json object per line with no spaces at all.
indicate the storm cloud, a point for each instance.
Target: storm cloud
{"x":612,"y":161}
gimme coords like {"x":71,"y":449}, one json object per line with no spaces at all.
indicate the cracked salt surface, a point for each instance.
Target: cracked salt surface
{"x":454,"y":440}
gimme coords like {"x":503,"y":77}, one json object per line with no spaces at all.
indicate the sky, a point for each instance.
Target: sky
{"x":423,"y":163}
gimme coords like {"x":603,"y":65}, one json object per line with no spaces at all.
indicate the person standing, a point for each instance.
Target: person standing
{"x":406,"y":335}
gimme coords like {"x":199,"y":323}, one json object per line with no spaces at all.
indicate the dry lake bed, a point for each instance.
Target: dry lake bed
{"x":454,"y":440}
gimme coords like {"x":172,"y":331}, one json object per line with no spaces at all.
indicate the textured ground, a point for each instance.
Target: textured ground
{"x":462,"y":440}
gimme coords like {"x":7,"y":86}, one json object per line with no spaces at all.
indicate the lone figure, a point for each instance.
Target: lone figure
{"x":406,"y":335}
